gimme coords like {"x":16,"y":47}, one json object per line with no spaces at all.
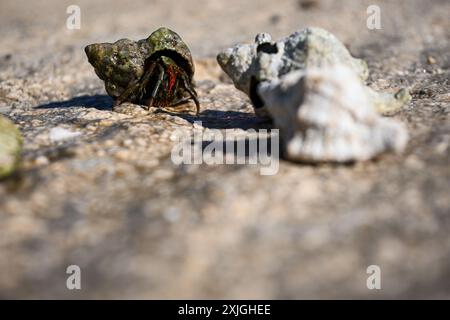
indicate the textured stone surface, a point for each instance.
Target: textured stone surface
{"x":111,"y":201}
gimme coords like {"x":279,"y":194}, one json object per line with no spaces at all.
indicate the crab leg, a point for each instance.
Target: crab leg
{"x":156,"y":88}
{"x":143,"y":83}
{"x":191,"y":91}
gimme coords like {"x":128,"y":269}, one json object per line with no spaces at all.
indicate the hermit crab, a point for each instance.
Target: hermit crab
{"x":155,"y":72}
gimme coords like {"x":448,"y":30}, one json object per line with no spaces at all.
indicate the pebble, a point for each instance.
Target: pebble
{"x":58,"y":134}
{"x":41,"y":161}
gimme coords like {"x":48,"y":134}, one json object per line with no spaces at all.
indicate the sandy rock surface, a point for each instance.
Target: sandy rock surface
{"x":97,"y":188}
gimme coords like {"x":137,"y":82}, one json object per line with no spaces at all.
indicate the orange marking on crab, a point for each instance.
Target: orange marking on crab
{"x":172,"y":77}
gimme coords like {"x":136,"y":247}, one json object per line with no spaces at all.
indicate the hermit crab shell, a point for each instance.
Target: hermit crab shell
{"x":118,"y":64}
{"x":122,"y":63}
{"x":165,"y":42}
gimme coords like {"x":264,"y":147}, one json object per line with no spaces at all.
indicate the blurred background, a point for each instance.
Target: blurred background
{"x":210,"y":25}
{"x":112,"y":202}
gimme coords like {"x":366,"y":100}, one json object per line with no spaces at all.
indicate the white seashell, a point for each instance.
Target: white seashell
{"x":248,"y":65}
{"x":264,"y":60}
{"x":327,"y":114}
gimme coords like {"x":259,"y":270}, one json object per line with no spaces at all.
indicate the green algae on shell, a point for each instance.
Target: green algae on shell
{"x":165,"y":41}
{"x":157,"y":70}
{"x":10,"y":147}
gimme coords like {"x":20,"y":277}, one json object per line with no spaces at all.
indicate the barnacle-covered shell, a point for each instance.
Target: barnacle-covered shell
{"x":164,"y":40}
{"x":265,"y":60}
{"x":326,"y":114}
{"x":118,"y":64}
{"x":122,"y":63}
{"x":10,"y":147}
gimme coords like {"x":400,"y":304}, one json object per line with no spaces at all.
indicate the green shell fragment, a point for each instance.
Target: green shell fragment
{"x":10,"y":147}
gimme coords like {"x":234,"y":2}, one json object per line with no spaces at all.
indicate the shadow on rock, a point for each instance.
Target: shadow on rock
{"x":218,"y":119}
{"x":100,"y":102}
